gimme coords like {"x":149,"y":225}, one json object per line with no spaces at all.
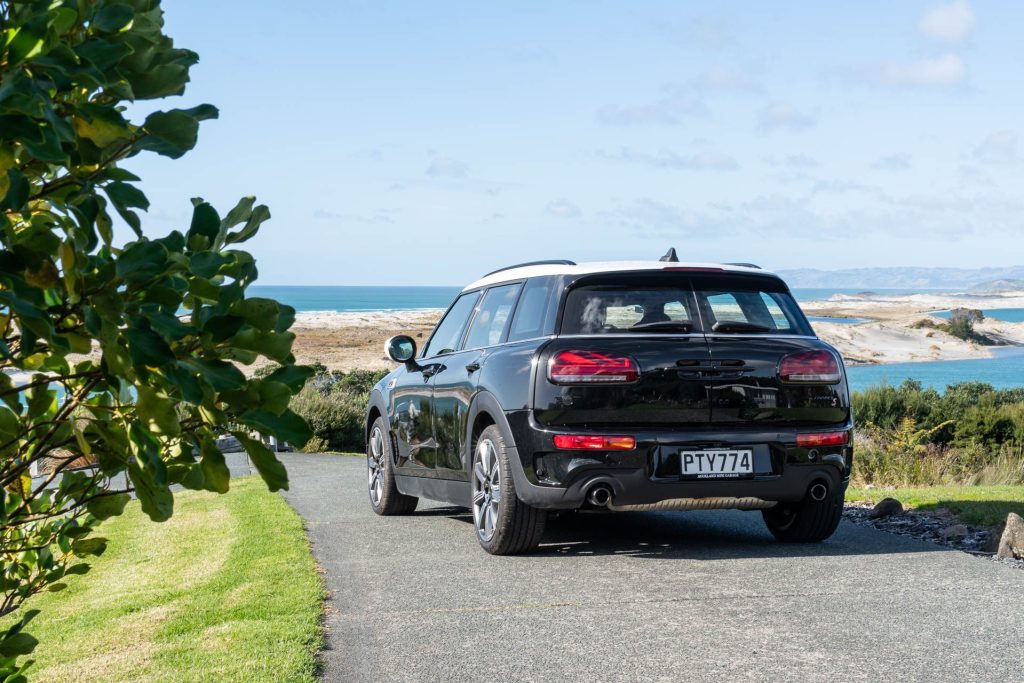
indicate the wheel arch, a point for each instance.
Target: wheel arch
{"x":483,"y":412}
{"x":375,"y":408}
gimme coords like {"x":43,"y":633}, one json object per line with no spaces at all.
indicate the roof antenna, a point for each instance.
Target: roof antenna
{"x":670,"y":256}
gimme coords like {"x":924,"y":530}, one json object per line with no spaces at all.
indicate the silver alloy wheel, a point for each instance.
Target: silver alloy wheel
{"x":486,"y":489}
{"x":375,"y":466}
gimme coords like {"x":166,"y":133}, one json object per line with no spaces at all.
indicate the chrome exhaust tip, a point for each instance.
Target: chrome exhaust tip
{"x":818,"y":491}
{"x":600,"y":496}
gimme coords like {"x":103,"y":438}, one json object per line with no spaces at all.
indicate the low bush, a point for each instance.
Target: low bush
{"x":911,"y":436}
{"x":334,"y":405}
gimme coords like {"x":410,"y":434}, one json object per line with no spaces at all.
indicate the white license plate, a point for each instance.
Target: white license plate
{"x":717,"y":464}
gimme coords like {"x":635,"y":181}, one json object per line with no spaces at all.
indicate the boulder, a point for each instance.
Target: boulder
{"x":886,"y":507}
{"x":1011,"y":544}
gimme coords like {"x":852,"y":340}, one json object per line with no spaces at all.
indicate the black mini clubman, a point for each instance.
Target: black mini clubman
{"x":620,"y":386}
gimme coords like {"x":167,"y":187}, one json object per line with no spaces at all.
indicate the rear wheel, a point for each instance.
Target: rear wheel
{"x":385,"y":498}
{"x":808,"y":521}
{"x":504,"y":524}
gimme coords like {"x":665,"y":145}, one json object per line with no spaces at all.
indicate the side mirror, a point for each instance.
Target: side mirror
{"x":400,"y":349}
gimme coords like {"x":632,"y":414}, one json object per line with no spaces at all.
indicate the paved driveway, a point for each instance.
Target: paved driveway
{"x":667,"y":596}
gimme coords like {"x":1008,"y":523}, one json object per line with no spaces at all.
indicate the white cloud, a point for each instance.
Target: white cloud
{"x":798,"y":162}
{"x":670,"y":109}
{"x":892,"y":162}
{"x":562,"y":208}
{"x":997,"y":148}
{"x":704,"y":160}
{"x":778,"y":115}
{"x":726,"y":78}
{"x":950,"y":22}
{"x":949,"y":69}
{"x":446,"y":167}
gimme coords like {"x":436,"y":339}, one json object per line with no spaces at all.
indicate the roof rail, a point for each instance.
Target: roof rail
{"x":552,"y":262}
{"x":745,"y":265}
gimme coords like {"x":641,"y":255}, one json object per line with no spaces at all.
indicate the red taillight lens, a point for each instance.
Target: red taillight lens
{"x":585,"y":442}
{"x":820,"y":367}
{"x":585,"y":367}
{"x":822,"y":439}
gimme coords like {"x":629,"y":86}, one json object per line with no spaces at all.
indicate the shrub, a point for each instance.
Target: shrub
{"x":334,"y":406}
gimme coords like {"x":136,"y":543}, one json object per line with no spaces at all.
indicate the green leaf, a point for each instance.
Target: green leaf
{"x":222,"y":376}
{"x":260,"y":214}
{"x":267,"y":464}
{"x":274,"y":345}
{"x":17,"y":644}
{"x":147,"y":348}
{"x":141,"y":261}
{"x":111,"y":18}
{"x":293,"y":376}
{"x":287,"y":426}
{"x":84,"y":547}
{"x":214,"y":468}
{"x":205,"y":221}
{"x":24,"y":42}
{"x":156,"y":499}
{"x":126,"y":196}
{"x":107,"y":506}
{"x":260,"y":313}
{"x":157,"y":411}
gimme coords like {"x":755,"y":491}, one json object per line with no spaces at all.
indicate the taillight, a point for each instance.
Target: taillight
{"x":822,"y":439}
{"x":586,"y":442}
{"x":586,"y":367}
{"x":815,"y":367}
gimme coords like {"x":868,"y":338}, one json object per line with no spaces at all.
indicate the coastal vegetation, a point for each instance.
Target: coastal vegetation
{"x":909,"y":435}
{"x":117,"y":353}
{"x":225,"y":590}
{"x":960,"y":325}
{"x":333,"y":404}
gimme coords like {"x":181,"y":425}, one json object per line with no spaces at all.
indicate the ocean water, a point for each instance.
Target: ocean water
{"x":1004,"y":371}
{"x":1008,"y":315}
{"x":373,"y":298}
{"x":307,"y":299}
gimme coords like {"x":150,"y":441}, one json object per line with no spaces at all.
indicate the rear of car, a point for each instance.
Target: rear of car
{"x":686,"y":388}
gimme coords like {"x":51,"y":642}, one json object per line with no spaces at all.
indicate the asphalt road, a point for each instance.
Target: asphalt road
{"x":623,"y":597}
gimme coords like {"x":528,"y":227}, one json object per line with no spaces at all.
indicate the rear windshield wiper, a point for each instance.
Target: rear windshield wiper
{"x":665,"y":325}
{"x":736,"y":326}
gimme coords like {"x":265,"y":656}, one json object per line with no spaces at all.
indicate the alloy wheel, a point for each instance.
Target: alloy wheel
{"x":375,"y":466}
{"x":486,"y":489}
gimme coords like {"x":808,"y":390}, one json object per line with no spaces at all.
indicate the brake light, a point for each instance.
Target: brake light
{"x":822,"y":439}
{"x":817,"y":367}
{"x":585,"y":442}
{"x":585,"y":367}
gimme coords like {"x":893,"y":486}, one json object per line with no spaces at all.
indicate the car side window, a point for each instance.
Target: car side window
{"x":528,"y":320}
{"x":492,"y":315}
{"x":449,"y":331}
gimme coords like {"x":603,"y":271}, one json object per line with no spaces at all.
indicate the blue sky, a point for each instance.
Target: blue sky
{"x":426,"y":143}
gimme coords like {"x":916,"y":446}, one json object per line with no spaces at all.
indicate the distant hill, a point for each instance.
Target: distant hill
{"x":959,"y":279}
{"x":996,"y":286}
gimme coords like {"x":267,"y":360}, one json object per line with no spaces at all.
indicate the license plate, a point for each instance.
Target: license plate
{"x":717,"y":464}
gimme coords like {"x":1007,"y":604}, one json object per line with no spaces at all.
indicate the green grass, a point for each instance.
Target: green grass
{"x":225,"y":591}
{"x":980,"y":505}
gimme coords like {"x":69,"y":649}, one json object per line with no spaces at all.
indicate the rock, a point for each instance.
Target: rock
{"x":955,"y":531}
{"x":886,"y":508}
{"x":1011,"y":545}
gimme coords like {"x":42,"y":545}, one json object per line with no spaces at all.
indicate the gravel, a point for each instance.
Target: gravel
{"x":934,"y":527}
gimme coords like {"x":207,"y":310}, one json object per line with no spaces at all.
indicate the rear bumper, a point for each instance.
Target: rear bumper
{"x":552,"y":479}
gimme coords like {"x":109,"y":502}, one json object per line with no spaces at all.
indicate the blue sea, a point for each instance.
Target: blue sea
{"x":1005,"y":370}
{"x":1008,"y":315}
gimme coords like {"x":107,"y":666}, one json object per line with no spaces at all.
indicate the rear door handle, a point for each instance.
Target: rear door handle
{"x":472,"y":367}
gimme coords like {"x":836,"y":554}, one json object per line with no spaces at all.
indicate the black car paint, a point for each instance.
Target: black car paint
{"x":708,"y":390}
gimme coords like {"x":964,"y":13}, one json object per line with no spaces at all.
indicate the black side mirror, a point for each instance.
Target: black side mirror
{"x":401,"y":348}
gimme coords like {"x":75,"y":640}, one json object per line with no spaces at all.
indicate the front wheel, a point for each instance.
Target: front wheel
{"x":385,"y":498}
{"x":807,"y":521}
{"x":504,"y":524}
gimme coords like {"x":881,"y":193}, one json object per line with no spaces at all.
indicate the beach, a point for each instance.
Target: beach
{"x":348,"y":341}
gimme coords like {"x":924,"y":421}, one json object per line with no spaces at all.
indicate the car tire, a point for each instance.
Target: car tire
{"x":385,"y":498}
{"x":808,"y":521}
{"x":504,"y":524}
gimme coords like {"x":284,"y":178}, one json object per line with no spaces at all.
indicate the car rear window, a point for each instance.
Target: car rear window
{"x":669,"y":304}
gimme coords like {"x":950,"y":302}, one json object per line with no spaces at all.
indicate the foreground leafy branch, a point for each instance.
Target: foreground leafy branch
{"x":115,"y":359}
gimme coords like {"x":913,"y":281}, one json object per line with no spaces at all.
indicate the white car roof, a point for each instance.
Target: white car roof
{"x":521,"y":272}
